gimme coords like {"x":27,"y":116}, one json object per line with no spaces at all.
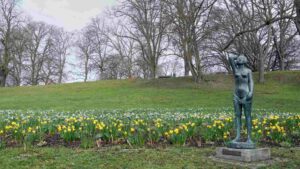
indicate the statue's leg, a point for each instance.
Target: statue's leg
{"x":248,"y":109}
{"x":238,"y":121}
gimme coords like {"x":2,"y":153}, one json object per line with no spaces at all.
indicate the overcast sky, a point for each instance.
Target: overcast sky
{"x":69,"y":14}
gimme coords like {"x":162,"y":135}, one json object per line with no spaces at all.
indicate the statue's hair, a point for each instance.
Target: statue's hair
{"x":242,"y":59}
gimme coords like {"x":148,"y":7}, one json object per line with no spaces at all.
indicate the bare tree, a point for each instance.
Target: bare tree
{"x":147,"y":27}
{"x":48,"y":72}
{"x":62,"y":43}
{"x":246,"y":30}
{"x":283,"y":33}
{"x":8,"y":21}
{"x":85,"y":50}
{"x":190,"y":25}
{"x":100,"y":44}
{"x":263,"y":12}
{"x":39,"y":50}
{"x":19,"y":54}
{"x":126,"y":48}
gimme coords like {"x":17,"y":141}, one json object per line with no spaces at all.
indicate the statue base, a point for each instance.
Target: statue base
{"x":244,"y":155}
{"x":241,"y":145}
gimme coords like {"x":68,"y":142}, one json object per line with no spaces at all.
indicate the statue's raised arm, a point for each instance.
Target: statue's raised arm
{"x":232,"y":60}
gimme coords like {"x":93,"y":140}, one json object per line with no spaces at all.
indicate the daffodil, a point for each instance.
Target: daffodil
{"x":59,"y":128}
{"x":29,"y":129}
{"x":176,"y":131}
{"x":166,"y":134}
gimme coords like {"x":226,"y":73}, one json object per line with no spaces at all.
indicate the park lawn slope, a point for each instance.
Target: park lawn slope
{"x":280,"y":92}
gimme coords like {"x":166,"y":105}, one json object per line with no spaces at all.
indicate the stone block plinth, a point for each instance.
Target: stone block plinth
{"x":244,"y":155}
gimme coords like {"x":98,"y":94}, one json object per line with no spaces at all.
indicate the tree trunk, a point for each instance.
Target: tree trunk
{"x":61,"y":72}
{"x":85,"y":74}
{"x":261,"y":69}
{"x":18,"y":82}
{"x":32,"y":79}
{"x":297,"y":5}
{"x":86,"y":71}
{"x":34,"y":83}
{"x":281,"y":63}
{"x":3,"y":76}
{"x":5,"y":59}
{"x":153,"y":71}
{"x":278,"y":51}
{"x":195,"y":51}
{"x":60,"y":77}
{"x":261,"y":61}
{"x":186,"y":67}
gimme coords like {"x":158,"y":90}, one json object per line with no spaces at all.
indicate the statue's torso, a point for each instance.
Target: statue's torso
{"x":241,"y":82}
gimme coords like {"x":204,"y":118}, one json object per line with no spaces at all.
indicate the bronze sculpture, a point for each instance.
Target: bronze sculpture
{"x":243,"y":94}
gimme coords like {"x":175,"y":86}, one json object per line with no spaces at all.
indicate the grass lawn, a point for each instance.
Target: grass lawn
{"x":281,"y":92}
{"x":115,"y":157}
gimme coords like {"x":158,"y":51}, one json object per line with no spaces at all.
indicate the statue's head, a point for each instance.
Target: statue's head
{"x":241,"y":60}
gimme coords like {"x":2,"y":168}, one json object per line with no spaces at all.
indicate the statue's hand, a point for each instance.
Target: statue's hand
{"x":249,"y":96}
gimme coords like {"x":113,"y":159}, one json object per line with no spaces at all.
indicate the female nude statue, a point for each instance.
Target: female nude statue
{"x":243,"y":94}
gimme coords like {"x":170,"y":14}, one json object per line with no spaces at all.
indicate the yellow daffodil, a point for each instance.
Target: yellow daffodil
{"x":29,"y":129}
{"x":166,"y":134}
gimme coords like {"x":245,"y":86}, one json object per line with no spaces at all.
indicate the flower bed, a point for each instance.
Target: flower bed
{"x":140,"y":127}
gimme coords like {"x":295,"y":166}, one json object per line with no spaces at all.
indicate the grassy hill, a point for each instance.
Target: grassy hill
{"x":280,"y":92}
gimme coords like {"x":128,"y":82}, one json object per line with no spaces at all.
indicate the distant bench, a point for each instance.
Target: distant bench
{"x":164,"y":77}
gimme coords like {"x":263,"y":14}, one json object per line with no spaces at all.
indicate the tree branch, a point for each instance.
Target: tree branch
{"x":268,"y":22}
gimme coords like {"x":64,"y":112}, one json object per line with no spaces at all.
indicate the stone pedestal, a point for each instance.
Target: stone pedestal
{"x":241,"y":145}
{"x":245,"y":155}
